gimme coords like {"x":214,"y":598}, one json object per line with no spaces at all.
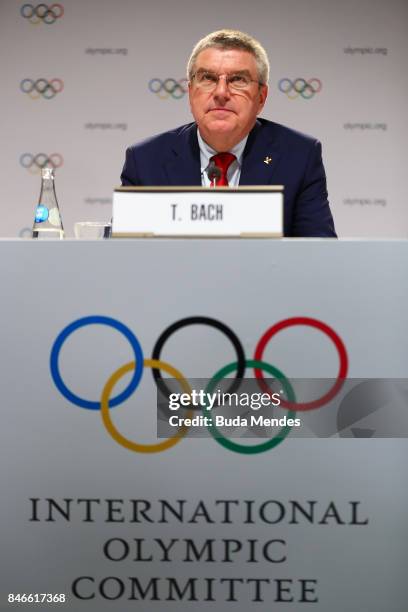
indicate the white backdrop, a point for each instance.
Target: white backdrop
{"x":103,"y":54}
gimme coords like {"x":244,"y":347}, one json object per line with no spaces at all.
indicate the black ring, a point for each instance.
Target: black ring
{"x":303,"y":87}
{"x":169,"y":88}
{"x":43,"y":6}
{"x":38,"y":163}
{"x":199,"y":321}
{"x":44,"y":84}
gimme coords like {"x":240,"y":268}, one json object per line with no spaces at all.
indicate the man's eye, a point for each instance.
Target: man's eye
{"x":238,"y":78}
{"x":208,"y":77}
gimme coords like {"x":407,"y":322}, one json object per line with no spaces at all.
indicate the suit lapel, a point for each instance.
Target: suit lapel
{"x":183,"y":165}
{"x":261,"y":156}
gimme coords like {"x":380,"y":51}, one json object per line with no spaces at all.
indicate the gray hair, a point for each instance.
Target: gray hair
{"x":232,"y":39}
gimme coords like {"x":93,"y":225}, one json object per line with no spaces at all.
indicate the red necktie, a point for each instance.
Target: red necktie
{"x":223,"y":162}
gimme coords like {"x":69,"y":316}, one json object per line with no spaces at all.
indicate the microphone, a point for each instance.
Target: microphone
{"x":213,"y":173}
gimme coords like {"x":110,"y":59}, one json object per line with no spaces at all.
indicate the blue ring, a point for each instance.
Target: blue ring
{"x":280,"y":85}
{"x":151,"y":85}
{"x":67,"y":331}
{"x":31,"y":84}
{"x":29,"y":6}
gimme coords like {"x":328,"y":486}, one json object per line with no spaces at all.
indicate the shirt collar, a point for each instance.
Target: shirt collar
{"x":206,"y":152}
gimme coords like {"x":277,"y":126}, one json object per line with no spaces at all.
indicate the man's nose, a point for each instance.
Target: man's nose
{"x":221,"y":91}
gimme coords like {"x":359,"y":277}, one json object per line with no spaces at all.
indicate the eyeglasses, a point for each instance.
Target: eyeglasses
{"x":237,"y":81}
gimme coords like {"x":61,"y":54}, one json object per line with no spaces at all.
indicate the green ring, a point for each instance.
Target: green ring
{"x":256,"y":448}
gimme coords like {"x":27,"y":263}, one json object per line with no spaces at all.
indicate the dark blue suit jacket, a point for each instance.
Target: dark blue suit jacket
{"x":173,"y":158}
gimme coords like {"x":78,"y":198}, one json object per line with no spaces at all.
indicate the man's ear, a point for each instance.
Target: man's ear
{"x":189,"y":92}
{"x":263,"y":94}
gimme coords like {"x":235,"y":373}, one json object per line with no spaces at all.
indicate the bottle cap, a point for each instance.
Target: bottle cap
{"x":47,"y":173}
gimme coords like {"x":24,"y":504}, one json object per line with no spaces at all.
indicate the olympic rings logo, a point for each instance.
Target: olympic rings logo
{"x":238,"y":367}
{"x":42,"y":13}
{"x":42,"y":87}
{"x":300,"y":87}
{"x":25,"y":232}
{"x":34,"y":163}
{"x":168,"y":87}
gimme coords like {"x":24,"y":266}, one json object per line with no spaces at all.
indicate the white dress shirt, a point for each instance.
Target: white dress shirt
{"x":234,"y":171}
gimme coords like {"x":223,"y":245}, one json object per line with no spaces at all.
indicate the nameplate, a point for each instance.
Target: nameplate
{"x":198,"y":212}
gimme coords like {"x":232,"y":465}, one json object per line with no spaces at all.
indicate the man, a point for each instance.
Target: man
{"x":228,"y":84}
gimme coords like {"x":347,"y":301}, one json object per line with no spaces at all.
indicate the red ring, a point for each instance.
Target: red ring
{"x":56,"y":164}
{"x":61,"y":8}
{"x":319,"y":86}
{"x":338,"y":343}
{"x":60,"y":85}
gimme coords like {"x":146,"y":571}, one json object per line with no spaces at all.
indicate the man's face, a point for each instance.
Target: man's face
{"x":225,"y":116}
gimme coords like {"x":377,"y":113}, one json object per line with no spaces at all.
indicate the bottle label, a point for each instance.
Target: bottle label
{"x":41,"y":214}
{"x":54,"y":216}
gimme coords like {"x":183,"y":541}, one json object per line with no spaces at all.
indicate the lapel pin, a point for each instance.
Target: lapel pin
{"x":267,"y":160}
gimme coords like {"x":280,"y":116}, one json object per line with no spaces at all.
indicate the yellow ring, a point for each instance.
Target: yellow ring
{"x":293,"y":96}
{"x":105,"y":412}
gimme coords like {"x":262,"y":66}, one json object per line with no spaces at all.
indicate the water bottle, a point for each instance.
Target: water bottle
{"x":47,"y":221}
